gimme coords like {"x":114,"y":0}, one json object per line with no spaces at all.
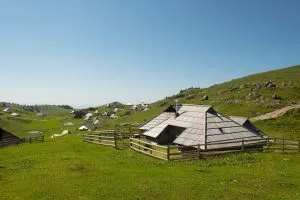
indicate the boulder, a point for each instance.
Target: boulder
{"x":276,"y":97}
{"x":205,"y":97}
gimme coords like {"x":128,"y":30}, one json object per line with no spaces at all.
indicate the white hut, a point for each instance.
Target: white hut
{"x":89,"y":115}
{"x":83,"y":128}
{"x":7,"y":110}
{"x":40,"y":114}
{"x":86,"y":118}
{"x":105,"y":114}
{"x":15,"y":114}
{"x":96,"y":122}
{"x":113,"y":116}
{"x":116,"y":110}
{"x":96,"y":112}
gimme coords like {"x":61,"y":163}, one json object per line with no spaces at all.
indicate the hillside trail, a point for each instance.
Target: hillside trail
{"x":275,"y":113}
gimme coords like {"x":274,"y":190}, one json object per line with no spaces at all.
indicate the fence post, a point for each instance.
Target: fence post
{"x":115,"y":138}
{"x":299,"y":145}
{"x":199,"y":152}
{"x":268,"y":144}
{"x":168,"y":152}
{"x":243,"y":148}
{"x":282,"y":145}
{"x":139,"y":144}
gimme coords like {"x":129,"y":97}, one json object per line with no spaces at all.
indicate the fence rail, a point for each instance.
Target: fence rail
{"x":17,"y":141}
{"x":176,"y":152}
{"x":99,"y":139}
{"x":35,"y":139}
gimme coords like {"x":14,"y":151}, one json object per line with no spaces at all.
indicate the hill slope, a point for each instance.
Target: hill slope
{"x":46,"y":109}
{"x":249,"y":96}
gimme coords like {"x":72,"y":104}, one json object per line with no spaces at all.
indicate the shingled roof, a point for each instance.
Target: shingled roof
{"x":200,"y":124}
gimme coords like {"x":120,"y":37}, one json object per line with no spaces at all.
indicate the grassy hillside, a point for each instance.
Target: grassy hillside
{"x":245,"y":96}
{"x":287,"y":126}
{"x":52,"y":110}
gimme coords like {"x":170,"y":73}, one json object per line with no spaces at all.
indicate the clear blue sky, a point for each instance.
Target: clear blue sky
{"x":93,"y":52}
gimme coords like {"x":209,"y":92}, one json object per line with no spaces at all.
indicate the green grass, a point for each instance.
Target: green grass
{"x":287,"y":126}
{"x":66,"y":168}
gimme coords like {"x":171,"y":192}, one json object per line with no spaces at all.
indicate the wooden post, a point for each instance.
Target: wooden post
{"x":199,"y":152}
{"x":299,"y":145}
{"x":282,"y":145}
{"x":130,"y":141}
{"x":115,"y":138}
{"x":168,"y":152}
{"x":268,"y":144}
{"x":243,"y":147}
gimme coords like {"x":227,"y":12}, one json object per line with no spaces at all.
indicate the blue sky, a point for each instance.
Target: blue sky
{"x":94,"y":52}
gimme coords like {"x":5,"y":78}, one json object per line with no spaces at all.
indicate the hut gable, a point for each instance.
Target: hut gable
{"x":196,"y":124}
{"x":7,"y":138}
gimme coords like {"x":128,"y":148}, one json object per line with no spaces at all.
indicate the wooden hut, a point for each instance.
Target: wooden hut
{"x":187,"y":125}
{"x":7,"y":138}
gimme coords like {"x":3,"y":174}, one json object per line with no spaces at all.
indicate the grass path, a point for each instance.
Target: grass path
{"x":276,"y":113}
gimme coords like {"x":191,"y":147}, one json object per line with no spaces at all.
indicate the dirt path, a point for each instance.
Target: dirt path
{"x":275,"y":113}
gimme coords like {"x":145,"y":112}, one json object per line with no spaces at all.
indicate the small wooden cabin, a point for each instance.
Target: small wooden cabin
{"x":7,"y":138}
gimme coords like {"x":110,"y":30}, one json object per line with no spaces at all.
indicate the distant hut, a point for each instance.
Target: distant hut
{"x":7,"y":110}
{"x":86,"y":118}
{"x":113,"y":116}
{"x":15,"y":114}
{"x":96,"y":122}
{"x":7,"y":138}
{"x":187,"y":125}
{"x":89,"y":115}
{"x":83,"y":128}
{"x":40,"y":114}
{"x":105,"y":114}
{"x":79,"y":114}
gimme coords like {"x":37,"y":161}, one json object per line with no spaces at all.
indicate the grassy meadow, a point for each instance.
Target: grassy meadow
{"x":67,"y":168}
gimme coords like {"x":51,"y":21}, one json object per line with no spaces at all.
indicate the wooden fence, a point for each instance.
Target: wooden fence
{"x":175,"y":152}
{"x":99,"y":139}
{"x":17,"y":141}
{"x":10,"y":142}
{"x":35,"y":139}
{"x":115,"y":138}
